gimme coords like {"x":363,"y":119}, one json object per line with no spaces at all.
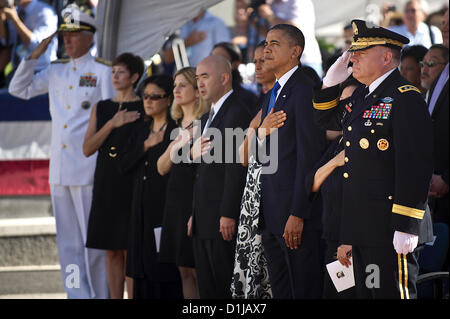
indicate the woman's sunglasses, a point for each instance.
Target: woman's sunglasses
{"x":154,"y":97}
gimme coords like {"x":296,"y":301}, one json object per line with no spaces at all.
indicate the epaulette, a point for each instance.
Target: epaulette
{"x":60,"y":61}
{"x":103,"y":61}
{"x":406,"y":88}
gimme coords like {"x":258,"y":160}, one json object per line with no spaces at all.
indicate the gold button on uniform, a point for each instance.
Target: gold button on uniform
{"x":390,"y":197}
{"x":65,"y":126}
{"x":64,"y":146}
{"x":349,"y":128}
{"x":145,"y":177}
{"x":346,"y":175}
{"x":68,"y":107}
{"x":347,"y":143}
{"x":70,"y":87}
{"x":74,"y":68}
{"x":372,"y":131}
{"x":364,"y":143}
{"x":346,"y":159}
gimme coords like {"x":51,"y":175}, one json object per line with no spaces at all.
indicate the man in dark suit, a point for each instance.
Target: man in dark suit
{"x":290,"y":222}
{"x":438,"y":108}
{"x":219,"y":183}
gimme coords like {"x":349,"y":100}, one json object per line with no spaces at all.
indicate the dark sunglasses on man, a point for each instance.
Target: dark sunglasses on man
{"x":429,"y":64}
{"x":154,"y":97}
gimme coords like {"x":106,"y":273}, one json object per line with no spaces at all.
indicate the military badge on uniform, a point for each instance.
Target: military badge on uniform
{"x":364,"y":143}
{"x":368,"y":123}
{"x":85,"y":105}
{"x":380,"y":111}
{"x":406,"y":88}
{"x":383,"y":144}
{"x":88,"y":80}
{"x":387,"y":99}
{"x":348,"y":107}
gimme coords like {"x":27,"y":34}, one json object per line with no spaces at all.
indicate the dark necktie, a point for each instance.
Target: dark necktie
{"x":210,"y":117}
{"x":273,"y":96}
{"x":365,"y":92}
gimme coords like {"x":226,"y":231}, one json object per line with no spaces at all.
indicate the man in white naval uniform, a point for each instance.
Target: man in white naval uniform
{"x":74,"y":85}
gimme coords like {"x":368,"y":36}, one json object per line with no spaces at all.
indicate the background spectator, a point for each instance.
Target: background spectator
{"x":435,"y":18}
{"x":439,"y":109}
{"x":30,"y":23}
{"x":199,"y":35}
{"x":414,"y":27}
{"x":301,"y":14}
{"x":410,"y":64}
{"x":387,"y":10}
{"x":5,"y":46}
{"x":239,"y":33}
{"x":432,"y":65}
{"x":232,"y":53}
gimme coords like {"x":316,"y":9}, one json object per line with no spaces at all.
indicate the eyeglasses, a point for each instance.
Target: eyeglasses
{"x":154,"y":97}
{"x":429,"y":64}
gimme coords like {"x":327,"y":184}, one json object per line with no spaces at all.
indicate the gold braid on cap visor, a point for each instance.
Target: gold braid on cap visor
{"x":68,"y":27}
{"x":365,"y":42}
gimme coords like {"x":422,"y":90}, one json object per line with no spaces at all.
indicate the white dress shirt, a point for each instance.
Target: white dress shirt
{"x":373,"y":86}
{"x":284,"y":78}
{"x":422,"y":35}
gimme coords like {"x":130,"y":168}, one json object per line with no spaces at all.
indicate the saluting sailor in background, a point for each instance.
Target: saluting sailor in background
{"x":73,"y":85}
{"x":388,"y":163}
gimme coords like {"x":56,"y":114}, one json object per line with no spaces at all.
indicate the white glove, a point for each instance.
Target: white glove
{"x":338,"y":72}
{"x":405,"y":243}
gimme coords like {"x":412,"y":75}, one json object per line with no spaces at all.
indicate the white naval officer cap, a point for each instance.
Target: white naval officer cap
{"x":75,"y":20}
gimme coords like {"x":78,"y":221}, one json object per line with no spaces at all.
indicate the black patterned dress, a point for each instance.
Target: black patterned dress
{"x":250,"y":278}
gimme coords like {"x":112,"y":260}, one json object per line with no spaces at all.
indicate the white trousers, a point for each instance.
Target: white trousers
{"x":83,"y":269}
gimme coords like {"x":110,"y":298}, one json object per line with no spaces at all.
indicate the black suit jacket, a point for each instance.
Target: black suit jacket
{"x":300,"y":145}
{"x":218,"y":187}
{"x":440,"y":120}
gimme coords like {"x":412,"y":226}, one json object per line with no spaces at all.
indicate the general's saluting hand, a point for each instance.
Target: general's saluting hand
{"x":339,"y":71}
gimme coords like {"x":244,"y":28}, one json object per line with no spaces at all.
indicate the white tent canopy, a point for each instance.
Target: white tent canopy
{"x":141,"y":26}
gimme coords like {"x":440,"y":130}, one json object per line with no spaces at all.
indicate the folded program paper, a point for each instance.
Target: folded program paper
{"x":342,"y":277}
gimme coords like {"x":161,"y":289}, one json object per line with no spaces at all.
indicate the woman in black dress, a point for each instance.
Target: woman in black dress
{"x":176,"y":245}
{"x":327,"y":177}
{"x":110,"y":124}
{"x":152,"y":279}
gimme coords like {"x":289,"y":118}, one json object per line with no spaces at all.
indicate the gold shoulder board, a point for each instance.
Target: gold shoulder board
{"x":60,"y":61}
{"x":103,"y":61}
{"x":406,"y":88}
